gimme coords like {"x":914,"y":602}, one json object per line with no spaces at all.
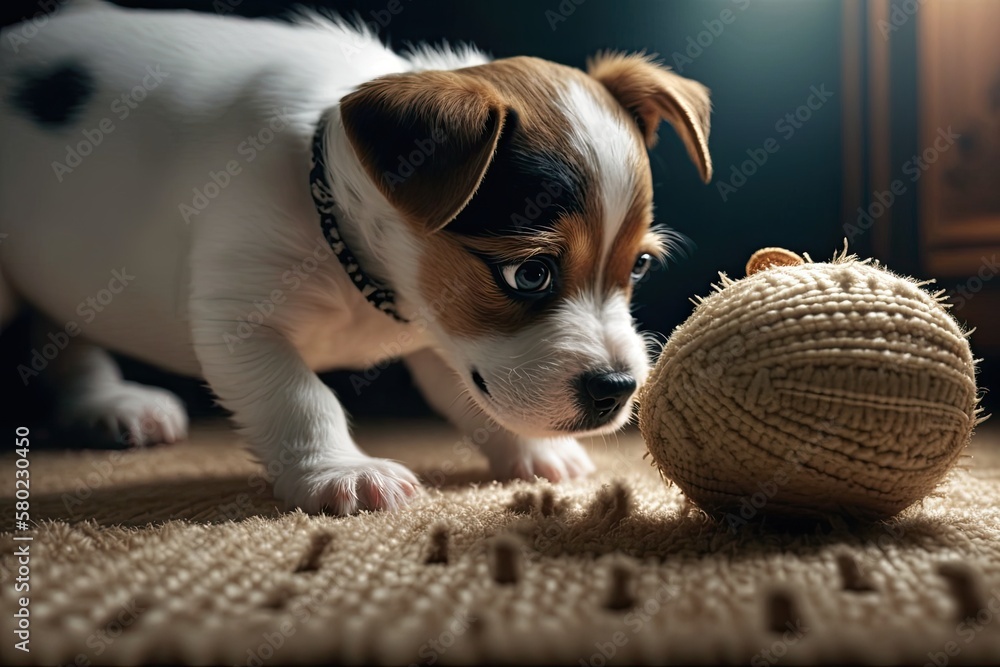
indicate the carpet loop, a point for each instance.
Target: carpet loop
{"x":507,"y":561}
{"x":783,"y":613}
{"x":963,"y":582}
{"x":310,"y":562}
{"x":438,"y":553}
{"x":621,"y":593}
{"x":852,"y":577}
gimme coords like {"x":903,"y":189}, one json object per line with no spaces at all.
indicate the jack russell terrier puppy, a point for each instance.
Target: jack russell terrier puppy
{"x":253,"y":201}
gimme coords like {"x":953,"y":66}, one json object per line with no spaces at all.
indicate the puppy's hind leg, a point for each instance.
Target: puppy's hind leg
{"x":93,"y":400}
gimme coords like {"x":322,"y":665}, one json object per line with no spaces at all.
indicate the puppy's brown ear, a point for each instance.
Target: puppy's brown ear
{"x":426,"y":139}
{"x":651,"y":93}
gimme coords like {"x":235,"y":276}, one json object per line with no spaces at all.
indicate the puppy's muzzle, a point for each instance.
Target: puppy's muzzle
{"x":602,"y":394}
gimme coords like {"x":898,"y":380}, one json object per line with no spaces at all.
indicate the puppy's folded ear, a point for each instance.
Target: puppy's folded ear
{"x":651,"y":93}
{"x":426,"y":139}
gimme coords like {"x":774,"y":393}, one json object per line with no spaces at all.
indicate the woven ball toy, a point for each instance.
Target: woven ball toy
{"x":811,"y":387}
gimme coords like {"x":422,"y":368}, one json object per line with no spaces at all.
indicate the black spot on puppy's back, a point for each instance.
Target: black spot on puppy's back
{"x":54,"y":97}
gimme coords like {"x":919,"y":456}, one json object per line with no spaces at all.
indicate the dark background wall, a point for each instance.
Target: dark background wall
{"x":762,"y":60}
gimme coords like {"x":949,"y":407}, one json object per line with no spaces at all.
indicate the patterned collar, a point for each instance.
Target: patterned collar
{"x":381,"y":297}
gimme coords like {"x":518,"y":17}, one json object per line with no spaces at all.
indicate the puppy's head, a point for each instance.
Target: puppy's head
{"x":526,"y":193}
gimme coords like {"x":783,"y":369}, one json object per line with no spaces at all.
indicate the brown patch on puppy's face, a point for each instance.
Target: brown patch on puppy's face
{"x":633,"y":240}
{"x":487,"y":305}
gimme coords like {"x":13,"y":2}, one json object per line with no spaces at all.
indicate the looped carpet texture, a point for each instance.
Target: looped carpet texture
{"x":180,"y":554}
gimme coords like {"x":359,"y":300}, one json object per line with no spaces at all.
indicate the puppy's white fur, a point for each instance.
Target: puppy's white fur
{"x":245,"y":292}
{"x":607,"y":142}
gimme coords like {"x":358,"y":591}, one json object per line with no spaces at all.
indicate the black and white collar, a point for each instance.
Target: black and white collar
{"x":379,"y":296}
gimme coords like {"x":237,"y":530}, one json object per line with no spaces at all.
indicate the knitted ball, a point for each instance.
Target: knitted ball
{"x":808,"y":388}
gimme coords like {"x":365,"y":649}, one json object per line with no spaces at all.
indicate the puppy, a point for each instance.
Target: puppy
{"x":254,"y":201}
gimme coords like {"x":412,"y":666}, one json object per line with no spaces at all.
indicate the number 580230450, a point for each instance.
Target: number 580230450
{"x":22,"y":474}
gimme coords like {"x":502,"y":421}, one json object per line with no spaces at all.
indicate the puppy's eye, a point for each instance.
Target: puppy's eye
{"x":641,"y":266}
{"x":532,"y":277}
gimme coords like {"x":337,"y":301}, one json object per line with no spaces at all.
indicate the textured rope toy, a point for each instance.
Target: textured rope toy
{"x":811,"y":387}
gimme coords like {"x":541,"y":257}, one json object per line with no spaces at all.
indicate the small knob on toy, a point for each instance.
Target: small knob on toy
{"x":767,"y":258}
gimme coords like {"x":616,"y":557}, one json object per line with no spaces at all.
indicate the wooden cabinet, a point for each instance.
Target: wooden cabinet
{"x":959,"y":93}
{"x":922,"y":145}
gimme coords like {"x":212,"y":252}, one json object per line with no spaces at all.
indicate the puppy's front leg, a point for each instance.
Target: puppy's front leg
{"x":294,"y":422}
{"x":510,"y":455}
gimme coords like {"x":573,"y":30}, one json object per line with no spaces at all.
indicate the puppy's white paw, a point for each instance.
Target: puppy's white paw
{"x":353,"y":483}
{"x":125,"y":414}
{"x":555,"y":459}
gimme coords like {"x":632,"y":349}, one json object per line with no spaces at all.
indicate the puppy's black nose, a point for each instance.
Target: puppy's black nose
{"x":602,"y":393}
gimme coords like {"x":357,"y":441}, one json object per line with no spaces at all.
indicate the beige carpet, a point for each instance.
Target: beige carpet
{"x":178,"y":554}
